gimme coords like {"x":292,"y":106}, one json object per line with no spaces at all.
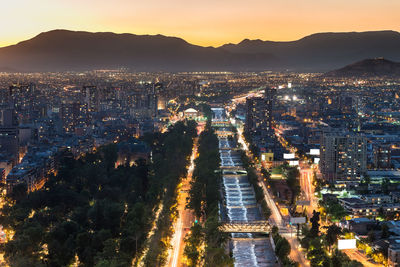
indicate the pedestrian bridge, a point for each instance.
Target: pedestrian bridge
{"x":224,"y":133}
{"x":246,"y":227}
{"x":220,"y":123}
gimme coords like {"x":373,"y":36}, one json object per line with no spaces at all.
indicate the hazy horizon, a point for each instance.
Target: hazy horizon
{"x":177,"y":36}
{"x":208,"y":23}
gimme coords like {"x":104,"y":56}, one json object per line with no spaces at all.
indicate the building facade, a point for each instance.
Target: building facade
{"x":394,"y":255}
{"x":9,"y":134}
{"x":343,"y":156}
{"x":259,"y":116}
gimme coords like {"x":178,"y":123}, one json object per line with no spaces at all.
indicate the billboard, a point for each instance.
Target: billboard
{"x":293,"y":163}
{"x":297,"y":220}
{"x":314,"y":151}
{"x":346,"y":244}
{"x":316,"y":160}
{"x":288,"y":156}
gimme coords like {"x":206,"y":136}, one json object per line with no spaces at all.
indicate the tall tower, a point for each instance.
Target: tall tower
{"x":9,"y":133}
{"x":259,"y":116}
{"x":269,"y":96}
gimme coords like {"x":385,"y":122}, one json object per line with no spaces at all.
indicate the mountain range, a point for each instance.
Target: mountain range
{"x":63,"y":50}
{"x":367,"y":67}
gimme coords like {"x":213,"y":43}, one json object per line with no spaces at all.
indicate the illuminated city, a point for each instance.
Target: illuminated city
{"x":127,"y":145}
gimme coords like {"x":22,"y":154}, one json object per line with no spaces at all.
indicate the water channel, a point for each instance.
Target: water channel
{"x":240,"y":202}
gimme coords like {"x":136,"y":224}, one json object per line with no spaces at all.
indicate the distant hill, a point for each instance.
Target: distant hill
{"x":62,"y":50}
{"x":368,"y":68}
{"x":326,"y":51}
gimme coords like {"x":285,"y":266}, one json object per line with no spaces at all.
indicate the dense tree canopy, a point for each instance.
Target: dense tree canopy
{"x":334,"y":210}
{"x":317,"y":245}
{"x":253,"y":179}
{"x":92,"y":212}
{"x":204,"y":193}
{"x":204,"y":197}
{"x":282,"y":248}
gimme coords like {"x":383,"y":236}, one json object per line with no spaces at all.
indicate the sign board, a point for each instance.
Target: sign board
{"x":288,"y":156}
{"x":346,"y":244}
{"x":314,"y":151}
{"x":316,"y":160}
{"x":294,"y":163}
{"x":297,"y":220}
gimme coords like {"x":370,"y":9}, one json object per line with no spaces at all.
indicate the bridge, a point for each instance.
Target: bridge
{"x":220,"y":123}
{"x":233,"y":149}
{"x":246,"y":227}
{"x":224,"y":133}
{"x":231,"y":168}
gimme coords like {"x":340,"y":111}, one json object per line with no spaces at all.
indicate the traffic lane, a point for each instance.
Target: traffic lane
{"x":354,"y":254}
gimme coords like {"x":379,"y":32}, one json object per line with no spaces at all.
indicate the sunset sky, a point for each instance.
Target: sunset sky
{"x":203,"y":22}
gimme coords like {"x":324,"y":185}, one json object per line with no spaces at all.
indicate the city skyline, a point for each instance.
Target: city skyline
{"x":210,"y":133}
{"x":206,"y":24}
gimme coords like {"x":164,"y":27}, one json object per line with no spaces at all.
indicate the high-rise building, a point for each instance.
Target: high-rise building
{"x":9,"y":142}
{"x":145,"y":103}
{"x":70,"y":116}
{"x":91,"y":97}
{"x":259,"y":116}
{"x":382,"y":156}
{"x":159,"y":92}
{"x":343,"y":156}
{"x":394,"y":255}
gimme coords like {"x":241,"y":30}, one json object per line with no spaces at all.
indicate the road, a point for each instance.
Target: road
{"x":307,"y":188}
{"x":358,"y":256}
{"x":276,"y":218}
{"x":305,"y":182}
{"x":307,"y":196}
{"x":285,"y":230}
{"x":138,"y":261}
{"x":185,"y":217}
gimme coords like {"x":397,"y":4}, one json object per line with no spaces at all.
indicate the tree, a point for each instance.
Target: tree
{"x":216,"y":257}
{"x":215,"y":254}
{"x":317,"y":255}
{"x":95,"y":211}
{"x":109,"y":251}
{"x":274,"y":230}
{"x":334,"y":210}
{"x":193,"y":241}
{"x":282,"y":248}
{"x":339,"y":259}
{"x":315,"y":223}
{"x":170,"y":165}
{"x":207,"y":111}
{"x":292,"y":179}
{"x":332,"y":235}
{"x":192,"y":254}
